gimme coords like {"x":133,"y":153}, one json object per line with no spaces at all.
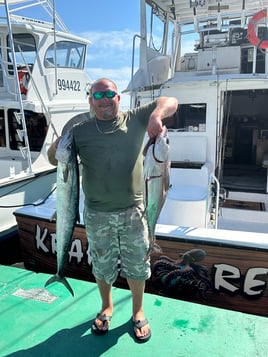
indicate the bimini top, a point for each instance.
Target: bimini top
{"x":185,"y":10}
{"x":2,"y":2}
{"x":46,"y":15}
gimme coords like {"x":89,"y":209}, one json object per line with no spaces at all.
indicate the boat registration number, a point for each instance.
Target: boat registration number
{"x":66,"y":84}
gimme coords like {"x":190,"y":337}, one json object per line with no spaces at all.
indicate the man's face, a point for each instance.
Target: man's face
{"x":105,"y":108}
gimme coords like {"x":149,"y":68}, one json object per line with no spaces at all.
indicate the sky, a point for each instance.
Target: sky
{"x":110,"y":26}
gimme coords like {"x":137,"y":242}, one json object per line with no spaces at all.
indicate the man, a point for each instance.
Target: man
{"x":110,"y":149}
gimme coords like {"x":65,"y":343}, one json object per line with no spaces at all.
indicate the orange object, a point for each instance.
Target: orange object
{"x":252,"y":30}
{"x":23,"y":80}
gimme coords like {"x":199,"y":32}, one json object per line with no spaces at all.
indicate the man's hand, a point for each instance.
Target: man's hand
{"x":52,"y":151}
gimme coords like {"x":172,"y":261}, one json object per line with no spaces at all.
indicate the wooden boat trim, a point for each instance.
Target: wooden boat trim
{"x":37,"y":242}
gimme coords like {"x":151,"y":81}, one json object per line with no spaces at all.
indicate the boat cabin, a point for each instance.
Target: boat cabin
{"x":211,"y":55}
{"x":42,"y":72}
{"x":43,"y":84}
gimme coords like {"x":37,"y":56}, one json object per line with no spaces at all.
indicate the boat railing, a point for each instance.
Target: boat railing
{"x":4,"y":75}
{"x":216,"y":203}
{"x":48,"y":8}
{"x":135,"y":37}
{"x":9,"y":80}
{"x":215,"y":51}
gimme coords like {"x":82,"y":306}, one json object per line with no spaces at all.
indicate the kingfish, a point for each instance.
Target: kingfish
{"x":156,"y":172}
{"x":67,"y":206}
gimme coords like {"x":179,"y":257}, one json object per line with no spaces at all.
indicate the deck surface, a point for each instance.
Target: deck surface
{"x":33,"y":327}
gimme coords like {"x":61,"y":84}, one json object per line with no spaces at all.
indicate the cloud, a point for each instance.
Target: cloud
{"x":110,"y":49}
{"x":110,"y":55}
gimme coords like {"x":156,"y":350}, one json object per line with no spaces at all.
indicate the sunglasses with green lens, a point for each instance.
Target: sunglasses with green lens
{"x":108,"y":94}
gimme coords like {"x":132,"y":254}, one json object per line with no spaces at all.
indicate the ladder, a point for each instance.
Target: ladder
{"x":20,"y":117}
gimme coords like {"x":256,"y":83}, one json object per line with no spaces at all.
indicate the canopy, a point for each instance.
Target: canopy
{"x":11,"y":2}
{"x":183,"y":10}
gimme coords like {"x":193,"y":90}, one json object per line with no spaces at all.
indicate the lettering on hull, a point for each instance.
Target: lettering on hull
{"x":46,"y":242}
{"x":228,"y":278}
{"x":183,"y":277}
{"x":221,"y":276}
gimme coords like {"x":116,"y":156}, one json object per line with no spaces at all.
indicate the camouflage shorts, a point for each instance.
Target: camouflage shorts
{"x":118,"y":242}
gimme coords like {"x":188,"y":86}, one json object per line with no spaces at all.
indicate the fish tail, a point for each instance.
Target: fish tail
{"x":63,"y":280}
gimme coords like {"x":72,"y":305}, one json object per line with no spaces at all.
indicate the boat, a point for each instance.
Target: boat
{"x":213,"y":228}
{"x":43,"y":84}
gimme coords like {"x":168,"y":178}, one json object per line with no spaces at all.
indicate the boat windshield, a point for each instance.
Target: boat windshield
{"x":25,"y":51}
{"x":66,"y":54}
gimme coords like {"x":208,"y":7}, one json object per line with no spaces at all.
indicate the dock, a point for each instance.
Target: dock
{"x":50,"y":322}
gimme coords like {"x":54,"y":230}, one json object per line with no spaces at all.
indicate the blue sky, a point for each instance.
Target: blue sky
{"x":110,"y":26}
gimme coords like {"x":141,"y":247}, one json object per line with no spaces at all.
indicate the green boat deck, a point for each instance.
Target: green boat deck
{"x":31,"y":325}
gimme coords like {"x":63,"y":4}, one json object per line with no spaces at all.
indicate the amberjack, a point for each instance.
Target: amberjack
{"x":156,"y":172}
{"x":67,"y":206}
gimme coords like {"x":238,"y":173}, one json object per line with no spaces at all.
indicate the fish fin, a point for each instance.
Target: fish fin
{"x":77,"y":216}
{"x":65,"y":173}
{"x":63,"y":280}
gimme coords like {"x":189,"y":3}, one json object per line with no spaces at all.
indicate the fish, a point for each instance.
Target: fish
{"x":156,"y":173}
{"x":67,"y":205}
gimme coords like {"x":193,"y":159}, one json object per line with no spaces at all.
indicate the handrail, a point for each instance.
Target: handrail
{"x":217,"y":199}
{"x":132,"y":66}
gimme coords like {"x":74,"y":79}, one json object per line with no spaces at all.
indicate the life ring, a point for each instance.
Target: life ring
{"x":252,"y":30}
{"x":24,"y":77}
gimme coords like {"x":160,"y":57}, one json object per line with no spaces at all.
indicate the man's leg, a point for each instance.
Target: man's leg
{"x":107,"y":303}
{"x":137,"y":290}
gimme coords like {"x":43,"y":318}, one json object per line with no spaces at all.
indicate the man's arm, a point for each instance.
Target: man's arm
{"x":52,"y":151}
{"x":165,"y":107}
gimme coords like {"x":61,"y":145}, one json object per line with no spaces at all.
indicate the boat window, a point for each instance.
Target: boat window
{"x":36,"y":129}
{"x":188,"y":117}
{"x":68,"y":55}
{"x":25,"y":51}
{"x":2,"y":129}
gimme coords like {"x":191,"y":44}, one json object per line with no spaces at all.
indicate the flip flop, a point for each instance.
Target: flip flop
{"x":103,"y":318}
{"x":138,"y":325}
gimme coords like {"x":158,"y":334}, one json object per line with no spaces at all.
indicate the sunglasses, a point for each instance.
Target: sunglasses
{"x":108,"y":94}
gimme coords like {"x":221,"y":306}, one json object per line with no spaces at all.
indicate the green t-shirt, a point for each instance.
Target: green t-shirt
{"x":112,"y":164}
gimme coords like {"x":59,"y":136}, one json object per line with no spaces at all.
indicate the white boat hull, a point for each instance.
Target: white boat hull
{"x":24,"y":191}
